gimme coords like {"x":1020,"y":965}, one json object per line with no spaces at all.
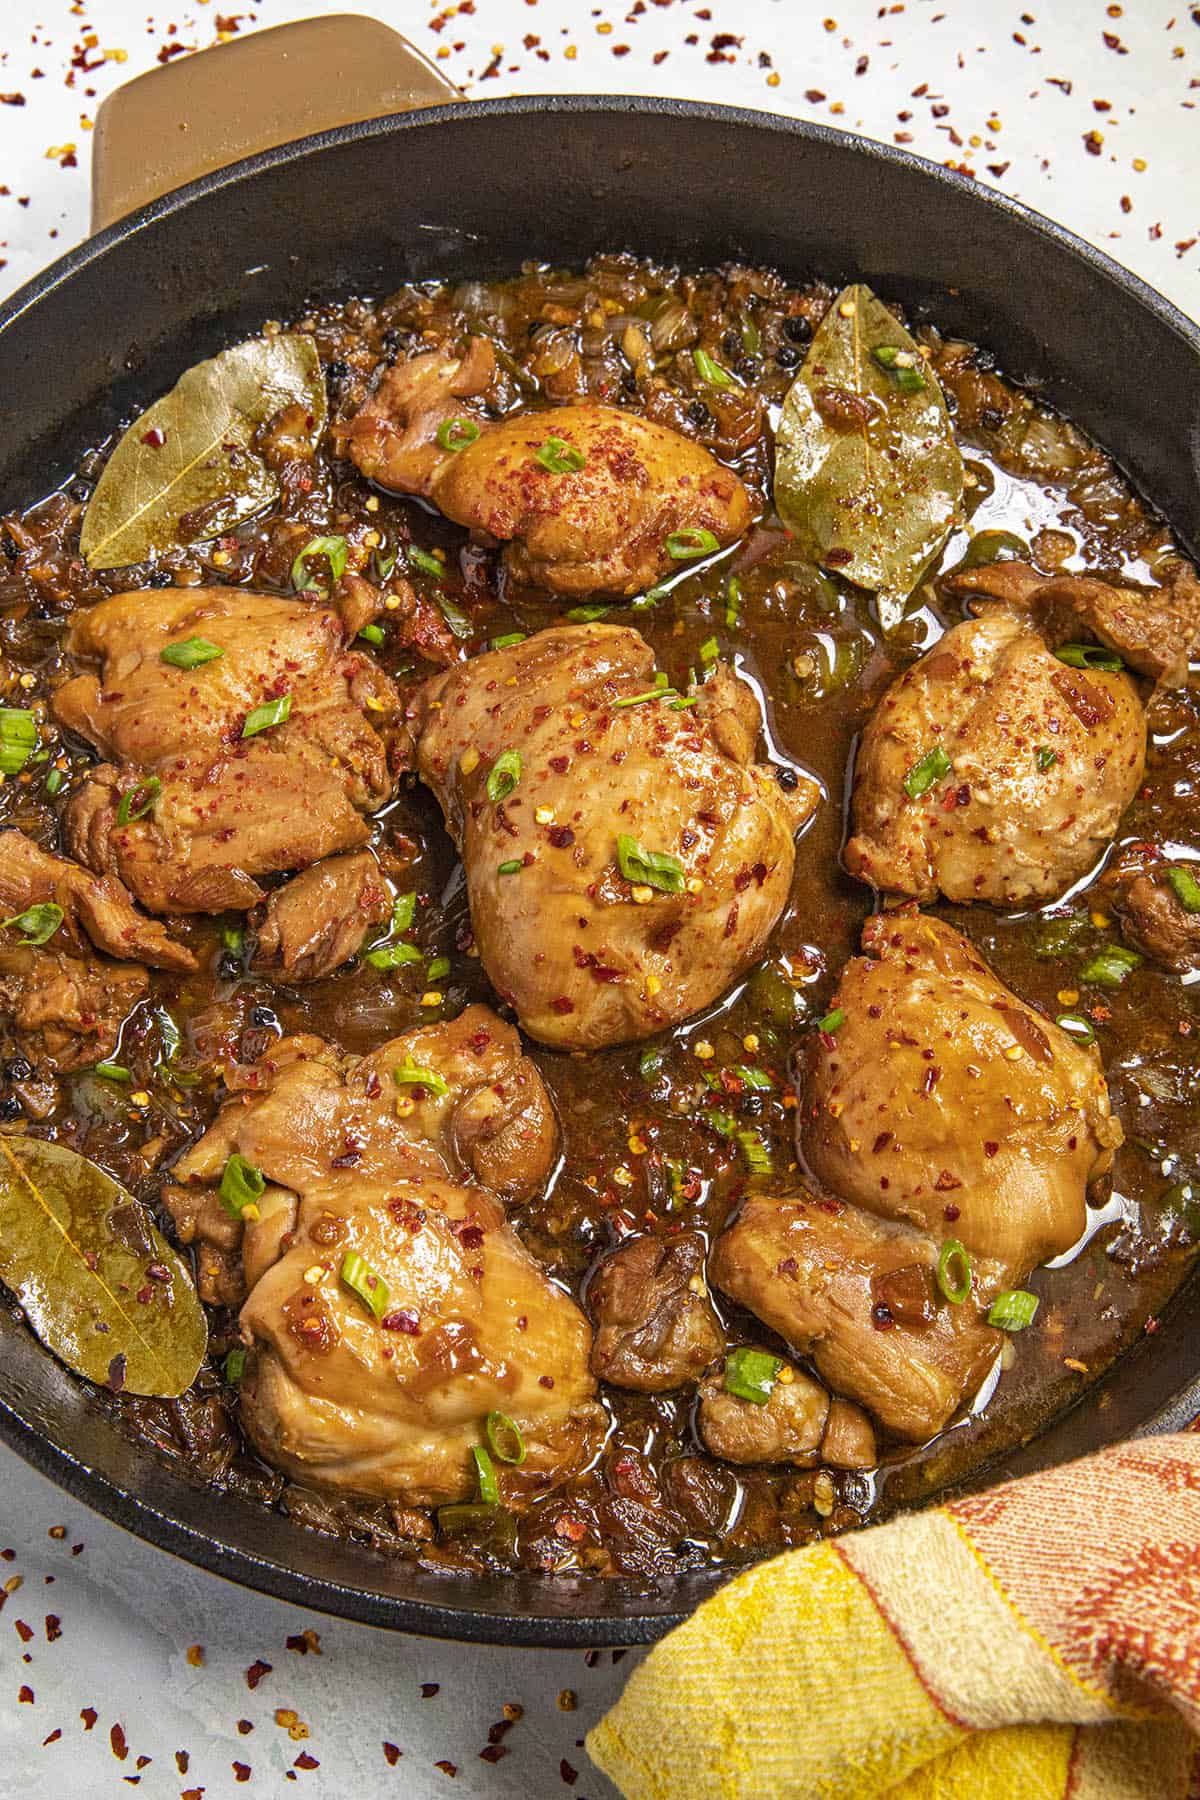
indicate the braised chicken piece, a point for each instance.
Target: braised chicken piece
{"x":1158,"y":904}
{"x":822,"y":1275}
{"x":799,"y":1423}
{"x":66,"y":1011}
{"x":318,"y":921}
{"x":588,"y":498}
{"x":1153,"y":630}
{"x":939,"y":1109}
{"x":97,"y":909}
{"x":992,"y":771}
{"x":655,"y":1324}
{"x":262,"y":759}
{"x":376,"y":1376}
{"x":626,"y":860}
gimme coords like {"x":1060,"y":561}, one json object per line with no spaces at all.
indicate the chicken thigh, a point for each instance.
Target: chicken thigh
{"x":992,"y":771}
{"x":625,"y":860}
{"x":318,"y":921}
{"x":588,"y":498}
{"x":375,"y":1376}
{"x":262,"y":758}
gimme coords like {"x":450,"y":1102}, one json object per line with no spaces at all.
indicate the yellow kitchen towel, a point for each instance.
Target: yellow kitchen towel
{"x":1040,"y":1641}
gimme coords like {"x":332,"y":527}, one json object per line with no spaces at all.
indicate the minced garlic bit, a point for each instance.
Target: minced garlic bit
{"x":847,"y":309}
{"x":1071,"y":1362}
{"x":28,"y":681}
{"x":432,"y":998}
{"x":221,"y":558}
{"x":373,"y":503}
{"x":1101,"y":921}
{"x":823,"y":1493}
{"x":139,"y":1098}
{"x":291,"y":1722}
{"x":637,"y":1145}
{"x":653,"y":985}
{"x":250,"y":1214}
{"x":392,"y":602}
{"x":694,"y":884}
{"x":623,"y":1176}
{"x":786,"y":1375}
{"x":544,"y":815}
{"x":568,"y":1700}
{"x":469,"y":760}
{"x":698,"y":1285}
{"x":313,"y":1274}
{"x":1014,"y":1053}
{"x":704,"y":1050}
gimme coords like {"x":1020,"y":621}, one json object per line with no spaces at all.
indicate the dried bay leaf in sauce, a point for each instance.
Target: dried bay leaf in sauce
{"x":97,"y":1281}
{"x":187,"y":469}
{"x":867,"y":473}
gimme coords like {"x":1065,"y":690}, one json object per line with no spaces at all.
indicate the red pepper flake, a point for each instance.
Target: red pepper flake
{"x":392,"y":1753}
{"x":492,"y":1753}
{"x":990,"y":1149}
{"x":1093,"y":142}
{"x":569,"y":1775}
{"x":403,"y":1319}
{"x":116,"y":1738}
{"x":24,"y":1631}
{"x":53,"y":1738}
{"x":946,"y":1183}
{"x":255,"y":1673}
{"x":182,"y":1760}
{"x":192,"y":1794}
{"x":245,"y":1727}
{"x":951,"y":1212}
{"x":447,"y":1768}
{"x":26,"y":1696}
{"x":429,"y":1689}
{"x":53,"y":1627}
{"x":89,"y":1716}
{"x":572,"y":1529}
{"x":142,"y":1761}
{"x":241,"y":1772}
{"x":306,"y":1761}
{"x":562,"y":1004}
{"x":155,"y":437}
{"x":305,"y":1641}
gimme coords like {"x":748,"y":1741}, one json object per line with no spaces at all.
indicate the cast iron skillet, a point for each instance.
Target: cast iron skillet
{"x":472,"y":190}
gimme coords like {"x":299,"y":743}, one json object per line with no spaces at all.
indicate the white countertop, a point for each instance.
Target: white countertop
{"x":1087,"y":110}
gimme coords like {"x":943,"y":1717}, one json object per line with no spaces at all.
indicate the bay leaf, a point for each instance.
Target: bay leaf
{"x":191,"y":456}
{"x":867,"y":473}
{"x":97,"y":1281}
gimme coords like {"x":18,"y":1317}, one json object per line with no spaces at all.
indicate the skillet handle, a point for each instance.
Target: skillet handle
{"x":207,"y":110}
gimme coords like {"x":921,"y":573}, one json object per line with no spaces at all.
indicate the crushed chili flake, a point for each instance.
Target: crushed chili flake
{"x":392,"y":1753}
{"x":569,"y":1775}
{"x":26,"y":1696}
{"x":304,"y":1642}
{"x":241,"y":1772}
{"x":429,"y":1689}
{"x":89,"y":1715}
{"x":116,"y":1738}
{"x":255,"y":1673}
{"x":306,"y":1761}
{"x":447,"y":1768}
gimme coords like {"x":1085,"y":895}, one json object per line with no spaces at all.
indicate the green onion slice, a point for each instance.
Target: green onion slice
{"x":358,"y":1275}
{"x":1077,"y":1027}
{"x":485,"y":1469}
{"x":733,"y":601}
{"x":409,"y":1074}
{"x":1013,"y":1310}
{"x":242,"y":1185}
{"x":504,"y":775}
{"x":901,"y":366}
{"x":954,"y":1258}
{"x":587,"y":615}
{"x":755,"y":1153}
{"x":235,"y":1365}
{"x":456,"y":434}
{"x":112,"y":1071}
{"x":691,"y":542}
{"x":465,"y":1515}
{"x":1046,"y":758}
{"x":428,"y":565}
{"x":649,"y":1063}
{"x":504,"y":1438}
{"x":18,"y":738}
{"x":709,"y":650}
{"x":752,"y":1078}
{"x":333,"y":549}
{"x":262,"y":718}
{"x":1185,"y":887}
{"x":559,"y":457}
{"x":509,"y":638}
{"x":833,"y":1021}
{"x":1110,"y":965}
{"x":392,"y":956}
{"x":37,"y":924}
{"x":513,"y":866}
{"x":190,"y":653}
{"x":372,"y":634}
{"x":54,"y":781}
{"x":649,"y":868}
{"x":933,"y":766}
{"x":711,"y":371}
{"x":137,"y":801}
{"x":439,"y":967}
{"x":458,"y":621}
{"x":233,"y":939}
{"x":751,"y":1374}
{"x":1089,"y":656}
{"x":403,"y":911}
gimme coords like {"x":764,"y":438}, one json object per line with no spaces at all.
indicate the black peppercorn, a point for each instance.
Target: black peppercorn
{"x":787,"y":356}
{"x":797,"y":328}
{"x":698,"y":413}
{"x":787,"y":779}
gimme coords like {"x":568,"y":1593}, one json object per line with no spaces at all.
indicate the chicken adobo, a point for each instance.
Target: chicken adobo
{"x":644,"y":956}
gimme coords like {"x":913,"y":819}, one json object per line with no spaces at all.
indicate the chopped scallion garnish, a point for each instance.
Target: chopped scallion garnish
{"x":755,"y":1153}
{"x":1077,"y":1027}
{"x":410,"y":1074}
{"x":137,"y":801}
{"x":587,"y":615}
{"x":751,"y":1077}
{"x":404,"y":909}
{"x":372,"y":634}
{"x":751,"y":1374}
{"x":1013,"y":1309}
{"x":1089,"y":656}
{"x":709,"y":650}
{"x":504,"y":1438}
{"x":427,"y":564}
{"x":37,"y":924}
{"x":559,"y":457}
{"x":832,"y":1021}
{"x":649,"y":1063}
{"x":358,"y":1275}
{"x":392,"y":956}
{"x":513,"y":866}
{"x":504,"y":775}
{"x":111,"y":1071}
{"x":711,"y":371}
{"x":485,"y":1470}
{"x":190,"y":653}
{"x":1110,"y":965}
{"x":733,"y":601}
{"x":455,"y":617}
{"x":1046,"y":758}
{"x":954,"y":1271}
{"x":1185,"y":887}
{"x":465,"y":1515}
{"x":18,"y":739}
{"x":242,"y":1185}
{"x":900,"y":365}
{"x":54,"y":781}
{"x":649,"y":868}
{"x":456,"y":434}
{"x":235,"y":1365}
{"x":933,"y":766}
{"x":333,"y":549}
{"x":507,"y":641}
{"x":233,"y":939}
{"x":262,"y":718}
{"x":439,"y":966}
{"x":690,"y":542}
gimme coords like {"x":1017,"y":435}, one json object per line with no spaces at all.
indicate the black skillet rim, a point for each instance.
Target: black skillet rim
{"x":573,"y":1629}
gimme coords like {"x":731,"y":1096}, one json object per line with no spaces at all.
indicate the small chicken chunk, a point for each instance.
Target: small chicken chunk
{"x":66,"y":1011}
{"x":655,"y":1324}
{"x":818,"y":1273}
{"x":1148,"y":893}
{"x":376,"y":1376}
{"x":260,"y":760}
{"x":318,"y":921}
{"x":941,"y":1089}
{"x":992,"y":771}
{"x":96,"y":909}
{"x":594,"y":513}
{"x":799,"y":1423}
{"x":629,"y":860}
